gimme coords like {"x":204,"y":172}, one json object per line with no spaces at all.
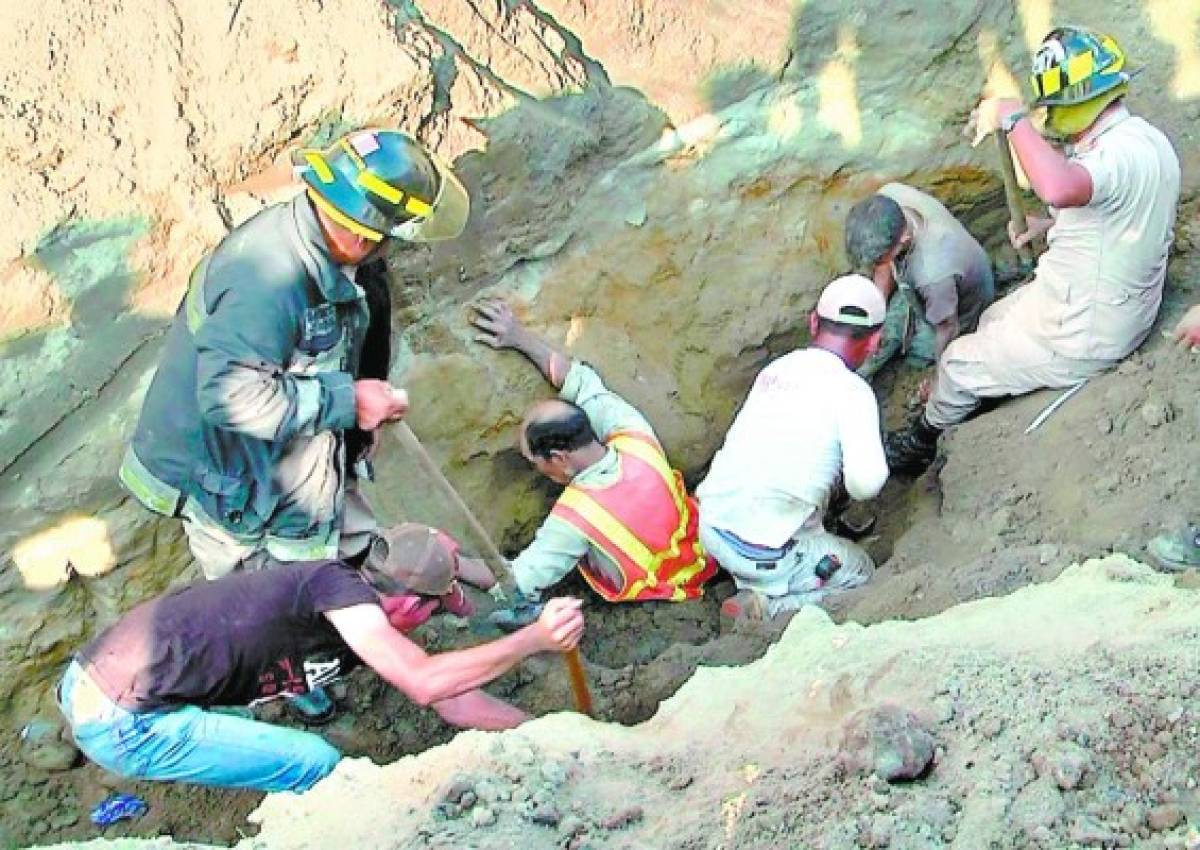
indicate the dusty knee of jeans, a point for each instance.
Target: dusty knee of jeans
{"x":319,"y":761}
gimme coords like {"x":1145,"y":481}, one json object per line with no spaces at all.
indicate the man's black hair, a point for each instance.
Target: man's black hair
{"x":842,"y":329}
{"x":563,"y":430}
{"x":873,"y":227}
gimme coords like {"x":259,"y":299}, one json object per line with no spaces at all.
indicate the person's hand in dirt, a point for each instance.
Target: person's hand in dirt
{"x":1038,"y":226}
{"x":499,"y":328}
{"x":561,"y":624}
{"x":1187,"y":332}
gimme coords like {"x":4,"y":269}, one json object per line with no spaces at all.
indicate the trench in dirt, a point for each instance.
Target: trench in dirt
{"x":636,"y":657}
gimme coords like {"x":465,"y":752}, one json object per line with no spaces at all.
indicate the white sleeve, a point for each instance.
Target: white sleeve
{"x":864,"y":467}
{"x":1105,"y":169}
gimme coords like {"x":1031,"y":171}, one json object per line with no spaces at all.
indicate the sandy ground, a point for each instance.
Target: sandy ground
{"x":1056,"y":717}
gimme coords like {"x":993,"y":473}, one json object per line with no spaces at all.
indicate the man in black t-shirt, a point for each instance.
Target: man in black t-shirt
{"x":138,"y":697}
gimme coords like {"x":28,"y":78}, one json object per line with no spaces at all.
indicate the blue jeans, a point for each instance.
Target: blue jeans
{"x":193,"y":745}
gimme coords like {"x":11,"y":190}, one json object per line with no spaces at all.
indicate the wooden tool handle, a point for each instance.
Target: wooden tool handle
{"x":1012,"y":194}
{"x":491,"y":555}
{"x":579,"y":685}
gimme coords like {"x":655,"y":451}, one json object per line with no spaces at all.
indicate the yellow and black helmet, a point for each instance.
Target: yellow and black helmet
{"x":383,"y":184}
{"x":1075,"y":65}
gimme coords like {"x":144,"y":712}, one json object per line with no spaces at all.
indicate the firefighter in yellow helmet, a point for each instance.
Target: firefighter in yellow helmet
{"x":1111,"y":182}
{"x":243,"y":431}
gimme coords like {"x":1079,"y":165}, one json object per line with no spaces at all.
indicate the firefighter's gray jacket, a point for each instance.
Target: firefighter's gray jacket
{"x":244,"y":419}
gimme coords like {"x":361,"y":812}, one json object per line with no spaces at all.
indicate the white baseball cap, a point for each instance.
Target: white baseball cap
{"x":852,"y":300}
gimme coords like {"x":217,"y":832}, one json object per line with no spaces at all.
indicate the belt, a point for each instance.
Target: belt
{"x":765,"y":555}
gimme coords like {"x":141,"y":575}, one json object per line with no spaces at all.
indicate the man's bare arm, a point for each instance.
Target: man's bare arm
{"x":427,"y":679}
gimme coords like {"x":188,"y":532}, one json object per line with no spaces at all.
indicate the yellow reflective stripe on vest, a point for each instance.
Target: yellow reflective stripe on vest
{"x":657,"y":461}
{"x":608,"y":525}
{"x":645,"y":452}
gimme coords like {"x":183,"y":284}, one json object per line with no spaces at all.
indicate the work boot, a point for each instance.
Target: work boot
{"x":1177,"y":552}
{"x":914,"y":448}
{"x":314,"y":708}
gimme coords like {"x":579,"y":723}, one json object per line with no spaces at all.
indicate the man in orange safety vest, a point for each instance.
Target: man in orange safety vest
{"x":625,"y":518}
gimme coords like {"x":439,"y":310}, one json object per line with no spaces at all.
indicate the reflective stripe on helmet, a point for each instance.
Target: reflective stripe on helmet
{"x":371,"y":182}
{"x":344,"y":220}
{"x":418,"y":207}
{"x":318,"y":164}
{"x":1080,"y":67}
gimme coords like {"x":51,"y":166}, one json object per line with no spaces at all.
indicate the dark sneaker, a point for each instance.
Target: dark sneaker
{"x":913,"y":449}
{"x":314,"y":708}
{"x":1177,"y":552}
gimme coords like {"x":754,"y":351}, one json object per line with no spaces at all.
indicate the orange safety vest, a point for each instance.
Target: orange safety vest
{"x":645,"y":522}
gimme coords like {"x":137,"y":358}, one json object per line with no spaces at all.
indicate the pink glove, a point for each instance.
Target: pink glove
{"x":407,"y":612}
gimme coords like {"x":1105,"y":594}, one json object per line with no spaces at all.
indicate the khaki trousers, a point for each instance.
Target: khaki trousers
{"x":218,"y":552}
{"x":791,"y":582}
{"x":1002,"y":358}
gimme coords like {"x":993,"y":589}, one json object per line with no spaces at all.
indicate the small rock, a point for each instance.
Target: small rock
{"x":459,"y":785}
{"x":1162,"y":818}
{"x":43,"y":746}
{"x":888,"y":740}
{"x":623,"y":818}
{"x":546,"y":815}
{"x":554,"y":773}
{"x":1039,"y":805}
{"x":570,"y":826}
{"x":467,"y":800}
{"x":1066,"y":763}
{"x":1104,"y":424}
{"x":679,"y":782}
{"x":882,"y":828}
{"x":62,"y":819}
{"x":990,"y":727}
{"x":1091,"y":833}
{"x":483,"y":816}
{"x":1157,"y":413}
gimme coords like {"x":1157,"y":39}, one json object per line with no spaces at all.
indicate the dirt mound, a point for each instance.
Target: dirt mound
{"x":1057,"y":716}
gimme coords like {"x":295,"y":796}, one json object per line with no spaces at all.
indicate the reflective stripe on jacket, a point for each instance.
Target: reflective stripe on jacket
{"x":645,"y":522}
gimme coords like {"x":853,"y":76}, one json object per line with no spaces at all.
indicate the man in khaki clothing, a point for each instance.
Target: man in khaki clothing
{"x":936,"y":277}
{"x":1112,"y":190}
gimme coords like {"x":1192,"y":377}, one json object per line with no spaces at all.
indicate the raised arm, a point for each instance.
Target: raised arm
{"x":500,"y":329}
{"x":576,"y":381}
{"x":1055,"y":179}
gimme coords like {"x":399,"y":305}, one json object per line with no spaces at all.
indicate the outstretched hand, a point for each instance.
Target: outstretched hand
{"x":497,"y":325}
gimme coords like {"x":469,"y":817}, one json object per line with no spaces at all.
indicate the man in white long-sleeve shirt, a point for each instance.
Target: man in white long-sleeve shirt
{"x":808,"y":421}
